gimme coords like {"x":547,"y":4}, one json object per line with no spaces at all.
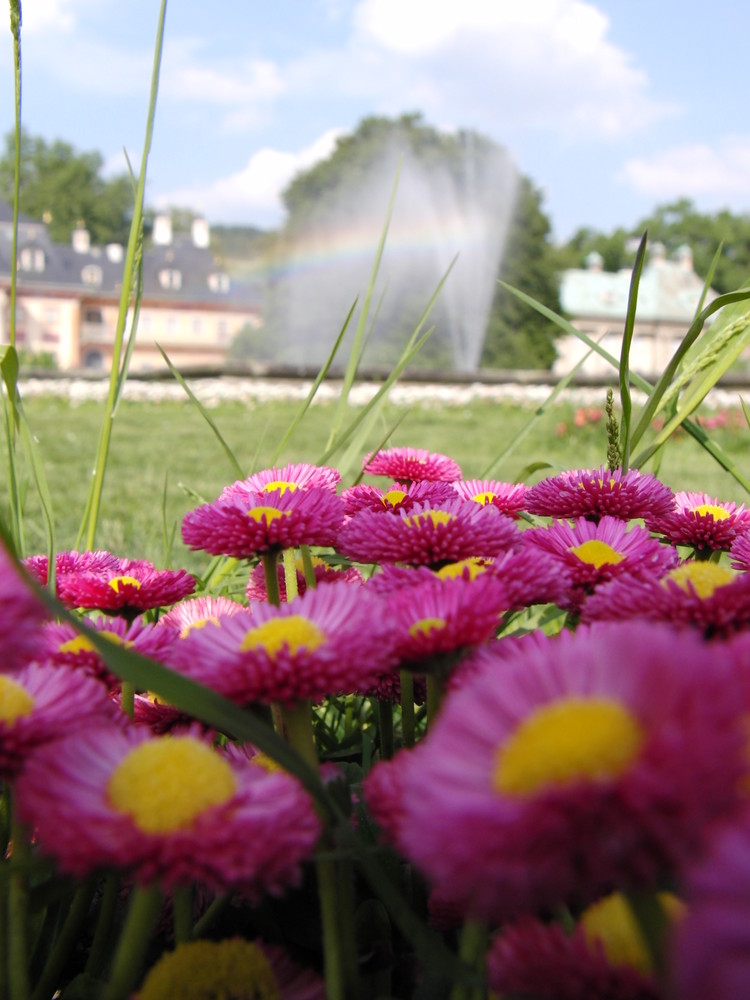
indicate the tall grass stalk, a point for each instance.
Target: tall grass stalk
{"x":129,"y":293}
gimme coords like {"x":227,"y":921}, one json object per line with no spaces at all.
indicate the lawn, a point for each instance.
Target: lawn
{"x":165,"y":458}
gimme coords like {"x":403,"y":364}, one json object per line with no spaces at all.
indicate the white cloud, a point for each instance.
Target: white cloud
{"x":253,"y":193}
{"x":548,"y":63}
{"x":46,"y":15}
{"x":719,"y":172}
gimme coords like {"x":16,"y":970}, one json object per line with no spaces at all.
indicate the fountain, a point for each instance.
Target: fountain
{"x":441,"y":211}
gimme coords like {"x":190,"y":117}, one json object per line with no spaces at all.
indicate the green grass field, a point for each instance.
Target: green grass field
{"x":165,"y":459}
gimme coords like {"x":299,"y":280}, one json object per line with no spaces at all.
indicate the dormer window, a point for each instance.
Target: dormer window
{"x":91,"y":274}
{"x":31,"y":259}
{"x":218,"y":282}
{"x":170,"y":278}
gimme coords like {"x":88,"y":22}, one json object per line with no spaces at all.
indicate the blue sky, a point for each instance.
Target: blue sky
{"x":610,"y":108}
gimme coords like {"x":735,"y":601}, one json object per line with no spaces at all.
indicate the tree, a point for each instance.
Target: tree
{"x":674,"y":225}
{"x":65,"y":188}
{"x":517,"y":335}
{"x":454,"y":195}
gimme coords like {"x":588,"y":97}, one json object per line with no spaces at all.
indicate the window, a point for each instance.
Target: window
{"x":170,"y":278}
{"x":218,"y":282}
{"x":31,"y":259}
{"x":91,"y":315}
{"x":91,"y":274}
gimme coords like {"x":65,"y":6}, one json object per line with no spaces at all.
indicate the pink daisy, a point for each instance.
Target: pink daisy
{"x":245,"y":525}
{"x":195,"y":612}
{"x":740,"y":552}
{"x":65,"y":646}
{"x":592,"y":493}
{"x":435,"y":621}
{"x":21,"y":614}
{"x":302,"y":476}
{"x":399,"y":496}
{"x":324,"y":573}
{"x":427,"y":535}
{"x":596,"y":760}
{"x":71,"y":562}
{"x":702,"y":522}
{"x":168,"y":808}
{"x":540,"y":961}
{"x":588,"y":553}
{"x":127,"y":589}
{"x":507,"y":497}
{"x":329,"y":640}
{"x":232,"y":967}
{"x":39,"y":704}
{"x":711,"y":953}
{"x":412,"y":465}
{"x":706,"y":595}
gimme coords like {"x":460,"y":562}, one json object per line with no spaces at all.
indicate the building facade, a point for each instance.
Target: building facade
{"x":68,"y":296}
{"x":596,"y":301}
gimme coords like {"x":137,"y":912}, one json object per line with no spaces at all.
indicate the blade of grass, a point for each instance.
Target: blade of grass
{"x":626,"y":404}
{"x":9,"y":369}
{"x":356,"y":352}
{"x":695,"y":430}
{"x":128,"y":278}
{"x":315,"y":386}
{"x":236,"y":467}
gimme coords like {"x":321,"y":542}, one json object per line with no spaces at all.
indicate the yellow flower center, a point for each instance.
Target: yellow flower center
{"x":124,"y":581}
{"x":426,"y":625}
{"x":210,"y":970}
{"x":597,"y":553}
{"x":82,"y":644}
{"x":166,"y":784}
{"x":292,"y":631}
{"x":281,"y":486}
{"x":569,"y":740}
{"x":611,"y":922}
{"x":435,"y":517}
{"x":15,"y":700}
{"x":706,"y":577}
{"x":263,"y":760}
{"x":393,"y":497}
{"x":484,"y":498}
{"x":198,"y":623}
{"x":472,"y":566}
{"x":267,"y":514}
{"x":716,"y":512}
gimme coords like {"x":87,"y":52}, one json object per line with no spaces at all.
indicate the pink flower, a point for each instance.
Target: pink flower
{"x":65,"y":646}
{"x":39,"y":704}
{"x":507,"y":497}
{"x":701,"y":521}
{"x":246,"y":524}
{"x":196,"y":612}
{"x":302,"y":476}
{"x":412,"y":465}
{"x":127,"y":589}
{"x":588,"y":553}
{"x":424,"y":535}
{"x":740,"y":552}
{"x":169,"y":808}
{"x":705,"y":595}
{"x":592,"y":493}
{"x":71,"y":562}
{"x":21,"y":614}
{"x":587,"y":762}
{"x":399,"y":496}
{"x":329,"y":640}
{"x":711,"y":954}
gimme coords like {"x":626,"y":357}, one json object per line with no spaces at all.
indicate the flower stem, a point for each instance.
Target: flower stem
{"x":435,"y":688}
{"x":66,"y":941}
{"x":290,"y":574}
{"x":127,"y":699}
{"x":135,"y":939}
{"x":385,"y":728}
{"x":472,"y":950}
{"x":182,"y":910}
{"x":18,"y":903}
{"x":407,"y":707}
{"x":107,"y":908}
{"x":653,"y":923}
{"x":307,"y":565}
{"x":269,"y":560}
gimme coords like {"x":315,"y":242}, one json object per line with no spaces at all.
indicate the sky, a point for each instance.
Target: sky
{"x":609,"y":107}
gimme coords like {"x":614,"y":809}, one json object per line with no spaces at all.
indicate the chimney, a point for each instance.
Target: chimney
{"x":114,"y":252}
{"x":200,"y":233}
{"x":594,"y":261}
{"x":161,"y":234}
{"x":81,"y":239}
{"x":685,"y":257}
